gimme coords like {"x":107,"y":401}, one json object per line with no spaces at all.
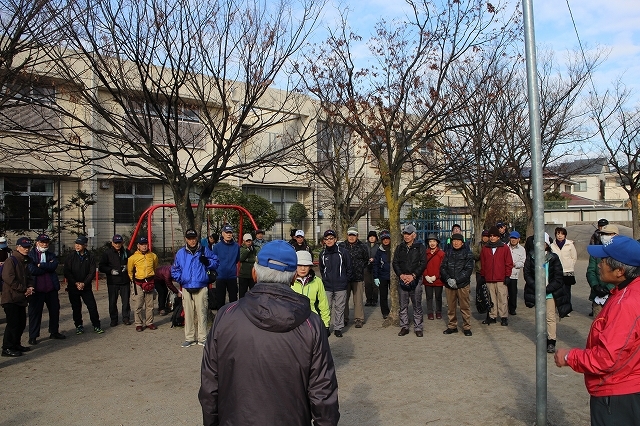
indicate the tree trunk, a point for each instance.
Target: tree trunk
{"x":396,"y":237}
{"x":634,"y":213}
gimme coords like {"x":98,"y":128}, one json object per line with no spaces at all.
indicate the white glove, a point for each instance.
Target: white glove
{"x":115,"y":272}
{"x":124,"y":268}
{"x":431,"y":279}
{"x":376,"y":281}
{"x":452,"y":283}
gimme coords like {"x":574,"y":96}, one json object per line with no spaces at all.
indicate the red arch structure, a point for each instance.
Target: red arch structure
{"x":146,"y":215}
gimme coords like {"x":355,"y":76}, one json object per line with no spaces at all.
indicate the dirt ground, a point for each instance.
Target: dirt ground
{"x":126,"y":378}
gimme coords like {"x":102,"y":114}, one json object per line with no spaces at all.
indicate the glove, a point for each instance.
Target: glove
{"x":376,"y":281}
{"x":452,"y":283}
{"x":328,"y":331}
{"x":430,"y":279}
{"x":204,"y":260}
{"x":115,"y":272}
{"x":124,"y":268}
{"x":251,"y":248}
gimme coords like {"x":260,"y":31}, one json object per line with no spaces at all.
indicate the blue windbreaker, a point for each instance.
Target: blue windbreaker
{"x":228,"y":256}
{"x":189,"y":271}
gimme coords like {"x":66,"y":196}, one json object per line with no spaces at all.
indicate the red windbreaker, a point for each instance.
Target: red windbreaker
{"x":495,"y":267}
{"x":611,"y":360}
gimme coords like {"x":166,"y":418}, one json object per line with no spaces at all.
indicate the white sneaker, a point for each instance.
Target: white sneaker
{"x":187,"y":343}
{"x":203,"y":342}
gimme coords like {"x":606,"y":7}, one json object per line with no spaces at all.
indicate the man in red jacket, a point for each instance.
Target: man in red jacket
{"x":611,"y":360}
{"x":495,"y":267}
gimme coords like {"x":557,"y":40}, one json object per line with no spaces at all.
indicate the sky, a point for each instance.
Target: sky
{"x":613,"y":25}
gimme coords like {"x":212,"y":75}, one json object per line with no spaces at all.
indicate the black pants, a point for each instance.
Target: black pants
{"x":245,"y":284}
{"x":384,"y":296}
{"x":16,"y":323}
{"x":124,"y":291}
{"x":431,"y":290}
{"x":370,"y":289}
{"x":163,"y":292}
{"x":569,"y":281}
{"x":512,"y":294}
{"x":36,"y":307}
{"x":224,"y":286}
{"x":615,"y":410}
{"x":86,"y":295}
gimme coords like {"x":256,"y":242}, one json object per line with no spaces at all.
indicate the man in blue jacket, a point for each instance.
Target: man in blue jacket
{"x":43,"y":267}
{"x":190,"y":271}
{"x":228,"y":252}
{"x":335,"y":268}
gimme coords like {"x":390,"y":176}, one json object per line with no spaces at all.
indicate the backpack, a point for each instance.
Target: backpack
{"x":177,"y":318}
{"x":15,"y":263}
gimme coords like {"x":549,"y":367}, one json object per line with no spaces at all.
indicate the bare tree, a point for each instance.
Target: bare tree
{"x":397,"y":103}
{"x":619,"y":133}
{"x":179,"y":91}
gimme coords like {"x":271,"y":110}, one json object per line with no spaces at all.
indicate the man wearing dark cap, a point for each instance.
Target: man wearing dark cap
{"x":267,"y":359}
{"x":496,"y":265}
{"x":610,"y":361}
{"x":141,"y":268}
{"x":504,"y":235}
{"x":189,"y":269}
{"x":42,"y":268}
{"x":595,"y":238}
{"x":79,"y":270}
{"x":228,"y":252}
{"x":259,"y":241}
{"x":16,"y":288}
{"x":359,"y":260}
{"x":114,"y":265}
{"x":455,"y":272}
{"x":409,"y":261}
{"x":335,"y":267}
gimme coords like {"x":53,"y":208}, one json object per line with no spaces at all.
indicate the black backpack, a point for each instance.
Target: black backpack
{"x":177,"y":318}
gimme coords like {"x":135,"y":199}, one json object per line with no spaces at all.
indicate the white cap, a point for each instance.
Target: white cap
{"x":299,"y":233}
{"x":304,"y":258}
{"x":246,"y":237}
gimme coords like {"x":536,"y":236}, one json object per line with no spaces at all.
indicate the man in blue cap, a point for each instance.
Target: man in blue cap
{"x":267,"y":358}
{"x":610,"y":361}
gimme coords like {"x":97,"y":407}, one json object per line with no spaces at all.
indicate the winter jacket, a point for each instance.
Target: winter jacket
{"x":359,"y":258}
{"x":610,"y":361}
{"x":335,"y":268}
{"x":115,"y":260}
{"x":495,"y":267}
{"x":567,"y":254}
{"x":45,"y":277}
{"x":598,"y":288}
{"x":381,"y":264}
{"x":519,"y":255}
{"x":15,"y":280}
{"x":555,"y":284}
{"x":79,"y":268}
{"x":228,"y":257}
{"x":268,"y":348}
{"x":188,"y":269}
{"x":477,"y":249}
{"x":457,"y":264}
{"x":303,"y":246}
{"x":247,"y":260}
{"x":141,"y":266}
{"x":434,"y":260}
{"x":163,"y":274}
{"x":312,"y":287}
{"x":373,"y":249}
{"x":409,"y":260}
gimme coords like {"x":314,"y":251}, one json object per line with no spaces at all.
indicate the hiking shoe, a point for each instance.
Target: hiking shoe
{"x":450,"y":331}
{"x":139,"y":328}
{"x":98,"y":330}
{"x":468,"y":333}
{"x":57,"y":336}
{"x":551,"y":348}
{"x":504,"y":322}
{"x":359,"y":323}
{"x":187,"y":343}
{"x":337,"y":333}
{"x":79,"y":329}
{"x":419,"y":333}
{"x":403,"y":331}
{"x":152,"y":326}
{"x":490,"y":321}
{"x":430,"y":316}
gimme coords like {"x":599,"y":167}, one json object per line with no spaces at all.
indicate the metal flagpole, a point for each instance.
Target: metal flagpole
{"x":538,"y":213}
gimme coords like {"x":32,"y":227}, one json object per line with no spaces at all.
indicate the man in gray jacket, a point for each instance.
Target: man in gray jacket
{"x":519,"y":255}
{"x":267,"y":358}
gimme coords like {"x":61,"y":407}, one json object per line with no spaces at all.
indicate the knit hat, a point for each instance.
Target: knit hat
{"x":458,"y":237}
{"x":494,"y":231}
{"x":352,"y":231}
{"x":372,"y":234}
{"x":385,"y":234}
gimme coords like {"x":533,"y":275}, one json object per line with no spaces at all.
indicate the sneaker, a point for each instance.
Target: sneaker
{"x":450,"y":331}
{"x":57,"y":336}
{"x":113,"y":323}
{"x":152,"y":326}
{"x":569,"y":315}
{"x":430,"y":316}
{"x":359,"y":323}
{"x":489,"y":321}
{"x":98,"y":330}
{"x":79,"y":329}
{"x":551,"y":348}
{"x":468,"y":333}
{"x":187,"y":343}
{"x":337,"y":333}
{"x":438,"y":315}
{"x":202,"y":343}
{"x":504,"y":322}
{"x":33,"y":341}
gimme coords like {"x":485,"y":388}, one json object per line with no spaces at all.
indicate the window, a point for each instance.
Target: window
{"x":27,"y":203}
{"x":131,"y":199}
{"x":333,"y":143}
{"x":281,"y":198}
{"x":27,"y":93}
{"x":580,"y":186}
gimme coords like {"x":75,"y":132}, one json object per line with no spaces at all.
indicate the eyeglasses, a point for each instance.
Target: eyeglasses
{"x":329,"y":238}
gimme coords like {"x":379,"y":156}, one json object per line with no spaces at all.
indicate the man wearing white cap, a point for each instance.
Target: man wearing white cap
{"x":299,"y":242}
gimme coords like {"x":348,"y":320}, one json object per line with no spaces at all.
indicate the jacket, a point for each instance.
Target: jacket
{"x":495,"y":267}
{"x":555,"y":284}
{"x":189,"y":271}
{"x":409,"y":260}
{"x":141,"y":266}
{"x":79,"y":268}
{"x":457,"y":264}
{"x":434,"y":260}
{"x":610,"y":361}
{"x":598,"y":288}
{"x":312,"y":287}
{"x":381,"y":264}
{"x":163,"y":274}
{"x":114,"y":260}
{"x":15,"y":280}
{"x":359,"y":258}
{"x":373,"y":249}
{"x":228,"y":257}
{"x":268,"y":348}
{"x":247,"y":260}
{"x":44,"y":274}
{"x":519,"y":255}
{"x":335,"y":268}
{"x":567,"y":254}
{"x":303,"y":246}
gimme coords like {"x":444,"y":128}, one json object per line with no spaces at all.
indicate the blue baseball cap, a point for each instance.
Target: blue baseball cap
{"x":25,"y":242}
{"x":514,"y":234}
{"x":621,"y":248}
{"x":143,"y":240}
{"x":227,"y":228}
{"x":278,"y":255}
{"x":82,"y":240}
{"x":117,"y":238}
